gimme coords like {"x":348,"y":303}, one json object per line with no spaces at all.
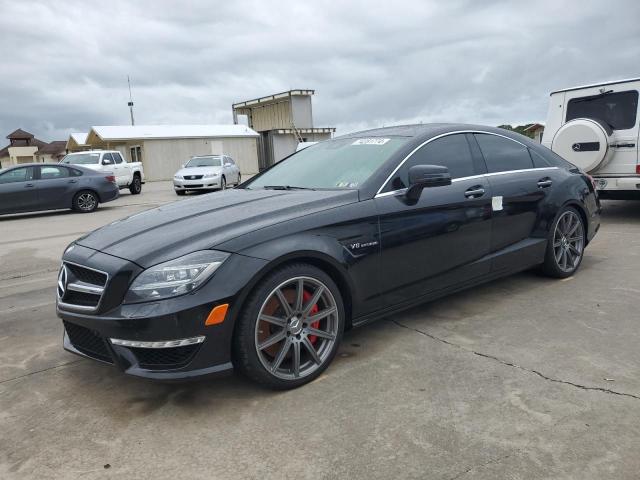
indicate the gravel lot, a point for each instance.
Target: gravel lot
{"x":524,"y":378}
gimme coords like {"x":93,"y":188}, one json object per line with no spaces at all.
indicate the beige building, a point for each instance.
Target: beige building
{"x":535,"y":131}
{"x":163,"y":149}
{"x":283,"y":120}
{"x":25,"y":148}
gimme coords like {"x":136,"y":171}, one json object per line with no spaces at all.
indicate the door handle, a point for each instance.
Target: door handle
{"x":73,"y":181}
{"x":474,"y":192}
{"x":29,"y":185}
{"x":544,"y":182}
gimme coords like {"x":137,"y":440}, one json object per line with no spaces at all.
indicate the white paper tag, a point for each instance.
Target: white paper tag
{"x":496,"y":203}
{"x":371,"y":141}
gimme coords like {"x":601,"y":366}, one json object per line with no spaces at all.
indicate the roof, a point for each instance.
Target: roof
{"x":34,"y":142}
{"x":58,"y":146}
{"x":79,"y":137}
{"x":612,"y":82}
{"x":273,"y":98}
{"x":19,"y":134}
{"x":533,"y":127}
{"x":133,"y":132}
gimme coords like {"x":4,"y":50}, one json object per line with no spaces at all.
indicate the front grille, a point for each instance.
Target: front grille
{"x":88,"y":276}
{"x":195,"y":185}
{"x":193,"y":177}
{"x":80,"y":288}
{"x":164,"y":358}
{"x":88,"y":342}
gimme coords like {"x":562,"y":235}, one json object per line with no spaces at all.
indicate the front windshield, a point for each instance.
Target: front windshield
{"x":337,"y":163}
{"x":204,"y":162}
{"x":81,"y":159}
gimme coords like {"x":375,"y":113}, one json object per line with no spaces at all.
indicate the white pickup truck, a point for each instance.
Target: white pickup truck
{"x":128,"y":174}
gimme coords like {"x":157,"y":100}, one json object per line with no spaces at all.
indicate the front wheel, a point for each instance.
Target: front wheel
{"x":223,"y":183}
{"x":180,"y":192}
{"x":290,"y":328}
{"x":85,"y":202}
{"x":565,"y":247}
{"x":239,"y":180}
{"x":136,"y":185}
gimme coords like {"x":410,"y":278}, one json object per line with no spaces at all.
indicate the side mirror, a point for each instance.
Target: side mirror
{"x":426,"y":176}
{"x":106,"y":162}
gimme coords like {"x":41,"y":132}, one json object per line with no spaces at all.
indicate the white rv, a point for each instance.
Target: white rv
{"x":595,"y":127}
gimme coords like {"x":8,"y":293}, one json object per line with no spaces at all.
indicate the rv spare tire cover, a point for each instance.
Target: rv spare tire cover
{"x":584,"y":142}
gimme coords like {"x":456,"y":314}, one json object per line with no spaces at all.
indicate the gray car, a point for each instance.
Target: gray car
{"x":206,"y":172}
{"x":45,"y":186}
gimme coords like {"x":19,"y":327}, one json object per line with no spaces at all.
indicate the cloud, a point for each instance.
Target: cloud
{"x":372,"y":63}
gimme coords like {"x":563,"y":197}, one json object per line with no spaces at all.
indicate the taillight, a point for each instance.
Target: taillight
{"x":593,"y":182}
{"x":110,"y":178}
{"x":638,"y":169}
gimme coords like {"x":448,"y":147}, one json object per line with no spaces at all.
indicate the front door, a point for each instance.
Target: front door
{"x":18,"y":190}
{"x":435,"y":243}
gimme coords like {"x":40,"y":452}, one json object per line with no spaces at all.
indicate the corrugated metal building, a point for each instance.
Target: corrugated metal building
{"x":283,"y":120}
{"x":163,"y":149}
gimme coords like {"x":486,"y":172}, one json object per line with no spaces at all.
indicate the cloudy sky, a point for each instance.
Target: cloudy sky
{"x":372,"y":63}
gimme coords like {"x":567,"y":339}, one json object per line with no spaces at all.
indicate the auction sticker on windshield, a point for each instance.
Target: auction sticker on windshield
{"x":371,"y":141}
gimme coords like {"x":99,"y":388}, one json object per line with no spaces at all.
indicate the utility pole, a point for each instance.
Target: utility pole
{"x":130,"y":102}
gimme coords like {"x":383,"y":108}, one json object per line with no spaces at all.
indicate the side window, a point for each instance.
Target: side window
{"x":75,"y":173}
{"x":538,"y":160}
{"x":451,"y":151}
{"x":502,"y":154}
{"x":230,"y":160}
{"x":107,"y":158}
{"x":618,"y":109}
{"x":48,"y":173}
{"x":17,"y":175}
{"x":117,"y":157}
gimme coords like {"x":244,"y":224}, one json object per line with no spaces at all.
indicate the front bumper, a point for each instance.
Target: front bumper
{"x":200,"y":184}
{"x":90,"y":334}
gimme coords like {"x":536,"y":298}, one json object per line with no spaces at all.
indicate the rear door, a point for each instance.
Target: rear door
{"x":434,"y":243}
{"x":56,"y":187}
{"x":121,"y":170}
{"x":18,"y":190}
{"x":518,"y":188}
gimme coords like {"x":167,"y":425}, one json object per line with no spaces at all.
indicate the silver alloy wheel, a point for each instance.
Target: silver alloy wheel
{"x":87,"y":202}
{"x":297,"y":328}
{"x":568,"y":241}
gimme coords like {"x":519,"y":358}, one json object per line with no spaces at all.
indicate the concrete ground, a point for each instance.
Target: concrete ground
{"x":524,"y":378}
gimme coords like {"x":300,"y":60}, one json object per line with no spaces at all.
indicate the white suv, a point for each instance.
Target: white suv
{"x":128,"y":174}
{"x":595,"y":127}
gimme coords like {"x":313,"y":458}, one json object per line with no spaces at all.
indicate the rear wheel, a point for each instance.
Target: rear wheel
{"x":290,"y":327}
{"x":85,"y":201}
{"x":566,"y":244}
{"x":136,"y":185}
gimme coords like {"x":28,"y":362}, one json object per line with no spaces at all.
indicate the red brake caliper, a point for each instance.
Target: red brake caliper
{"x":305,"y":297}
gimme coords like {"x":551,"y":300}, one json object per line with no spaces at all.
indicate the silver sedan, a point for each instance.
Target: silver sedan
{"x":206,"y":172}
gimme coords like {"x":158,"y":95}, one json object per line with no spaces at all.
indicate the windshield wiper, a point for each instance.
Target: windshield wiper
{"x":285,"y":187}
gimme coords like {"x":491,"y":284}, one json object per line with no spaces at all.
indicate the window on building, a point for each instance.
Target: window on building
{"x":617,"y":109}
{"x":136,"y":153}
{"x":502,"y":154}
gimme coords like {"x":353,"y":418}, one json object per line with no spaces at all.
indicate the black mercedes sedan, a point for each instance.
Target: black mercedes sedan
{"x":265,"y":278}
{"x":49,"y":186}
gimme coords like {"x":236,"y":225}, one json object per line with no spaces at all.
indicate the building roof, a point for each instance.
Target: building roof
{"x":533,"y":127}
{"x":602,"y":84}
{"x":135,"y":132}
{"x":273,"y":98}
{"x":79,"y":137}
{"x":53,"y":148}
{"x":19,"y":134}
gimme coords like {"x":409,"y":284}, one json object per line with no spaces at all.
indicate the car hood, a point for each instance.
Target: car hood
{"x":202,"y":222}
{"x":198,"y":170}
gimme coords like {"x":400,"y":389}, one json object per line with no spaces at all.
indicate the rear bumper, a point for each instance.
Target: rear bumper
{"x":109,"y":194}
{"x":629,"y":183}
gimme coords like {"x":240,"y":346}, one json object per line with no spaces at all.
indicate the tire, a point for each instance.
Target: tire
{"x":136,"y":185}
{"x":223,"y":183}
{"x":180,"y":193}
{"x":85,"y":201}
{"x":565,"y":245}
{"x":239,"y":180}
{"x":266,"y":350}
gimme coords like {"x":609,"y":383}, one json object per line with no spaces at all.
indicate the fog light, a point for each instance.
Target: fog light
{"x":162,"y":344}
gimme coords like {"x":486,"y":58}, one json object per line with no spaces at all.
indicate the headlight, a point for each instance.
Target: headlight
{"x":175,"y":277}
{"x":178,"y":177}
{"x":211,"y":175}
